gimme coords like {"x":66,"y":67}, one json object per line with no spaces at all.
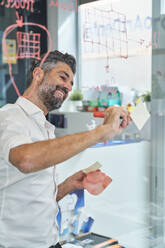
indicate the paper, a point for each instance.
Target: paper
{"x":93,"y":167}
{"x":140,"y":115}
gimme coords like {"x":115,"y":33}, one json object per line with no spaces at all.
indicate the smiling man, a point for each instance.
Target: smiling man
{"x":29,"y":153}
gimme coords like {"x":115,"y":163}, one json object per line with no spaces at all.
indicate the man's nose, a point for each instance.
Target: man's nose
{"x":69,"y":86}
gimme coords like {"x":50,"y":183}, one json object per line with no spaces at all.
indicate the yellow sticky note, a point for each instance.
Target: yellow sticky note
{"x":11,"y":50}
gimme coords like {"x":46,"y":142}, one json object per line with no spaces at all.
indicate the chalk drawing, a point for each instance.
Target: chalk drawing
{"x":65,"y":6}
{"x":105,"y":35}
{"x":28,"y":45}
{"x":24,"y":53}
{"x":21,"y":4}
{"x":114,"y":42}
{"x":155,"y":41}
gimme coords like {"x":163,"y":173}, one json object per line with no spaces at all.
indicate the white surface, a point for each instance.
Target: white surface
{"x":140,"y":115}
{"x":123,"y":207}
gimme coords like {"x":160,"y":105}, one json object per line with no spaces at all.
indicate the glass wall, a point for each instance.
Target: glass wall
{"x":23,"y":36}
{"x":120,"y":46}
{"x":157,"y":190}
{"x":115,"y":45}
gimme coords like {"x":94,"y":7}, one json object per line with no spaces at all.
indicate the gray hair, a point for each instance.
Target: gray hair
{"x":51,"y":61}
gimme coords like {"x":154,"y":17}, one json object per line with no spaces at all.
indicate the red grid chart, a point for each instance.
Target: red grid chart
{"x":105,"y":32}
{"x":28,"y":45}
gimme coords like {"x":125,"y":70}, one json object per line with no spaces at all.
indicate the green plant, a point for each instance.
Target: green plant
{"x":76,"y":96}
{"x":146,"y":97}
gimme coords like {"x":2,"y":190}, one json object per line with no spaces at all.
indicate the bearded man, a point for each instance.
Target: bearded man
{"x":29,"y":153}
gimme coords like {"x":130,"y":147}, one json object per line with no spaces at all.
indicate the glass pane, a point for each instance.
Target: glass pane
{"x":114,"y":36}
{"x":116,"y":43}
{"x":23,"y":37}
{"x":158,"y":124}
{"x":122,"y":47}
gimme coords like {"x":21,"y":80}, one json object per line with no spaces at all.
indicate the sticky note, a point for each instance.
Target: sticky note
{"x":93,"y":167}
{"x":140,"y":115}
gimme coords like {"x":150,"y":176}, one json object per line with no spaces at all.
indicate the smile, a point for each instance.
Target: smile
{"x":59,"y":93}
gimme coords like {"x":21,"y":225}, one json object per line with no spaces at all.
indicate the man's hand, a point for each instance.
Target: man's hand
{"x":71,"y":183}
{"x":115,"y":119}
{"x":76,"y":180}
{"x":95,"y":182}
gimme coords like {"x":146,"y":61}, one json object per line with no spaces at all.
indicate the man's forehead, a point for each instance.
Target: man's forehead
{"x":62,"y":66}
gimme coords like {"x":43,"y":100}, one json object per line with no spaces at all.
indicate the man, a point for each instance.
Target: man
{"x":29,"y":152}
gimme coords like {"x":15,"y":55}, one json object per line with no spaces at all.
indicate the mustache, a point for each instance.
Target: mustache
{"x":62,"y":88}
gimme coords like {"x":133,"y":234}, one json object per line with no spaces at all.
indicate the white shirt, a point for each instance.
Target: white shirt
{"x":28,"y":205}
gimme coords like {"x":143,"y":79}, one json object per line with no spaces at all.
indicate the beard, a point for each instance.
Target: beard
{"x":47,"y":94}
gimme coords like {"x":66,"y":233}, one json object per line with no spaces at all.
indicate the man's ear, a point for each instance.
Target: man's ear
{"x":38,"y":75}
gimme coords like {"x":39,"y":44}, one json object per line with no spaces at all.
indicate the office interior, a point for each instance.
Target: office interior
{"x":119,"y":46}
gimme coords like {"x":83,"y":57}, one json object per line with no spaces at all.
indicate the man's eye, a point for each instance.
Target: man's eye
{"x":63,"y":78}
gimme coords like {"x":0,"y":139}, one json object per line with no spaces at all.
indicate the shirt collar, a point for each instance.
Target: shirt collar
{"x":33,"y":110}
{"x":29,"y":107}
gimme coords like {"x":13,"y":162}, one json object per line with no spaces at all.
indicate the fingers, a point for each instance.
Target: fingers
{"x":79,"y":175}
{"x":118,"y":114}
{"x":126,"y":120}
{"x":116,"y":119}
{"x":77,"y":179}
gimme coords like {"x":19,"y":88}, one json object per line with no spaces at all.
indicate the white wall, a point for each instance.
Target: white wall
{"x":123,"y":208}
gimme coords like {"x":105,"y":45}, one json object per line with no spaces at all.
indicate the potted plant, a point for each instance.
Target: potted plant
{"x":76,"y":96}
{"x":76,"y":99}
{"x":147,"y":99}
